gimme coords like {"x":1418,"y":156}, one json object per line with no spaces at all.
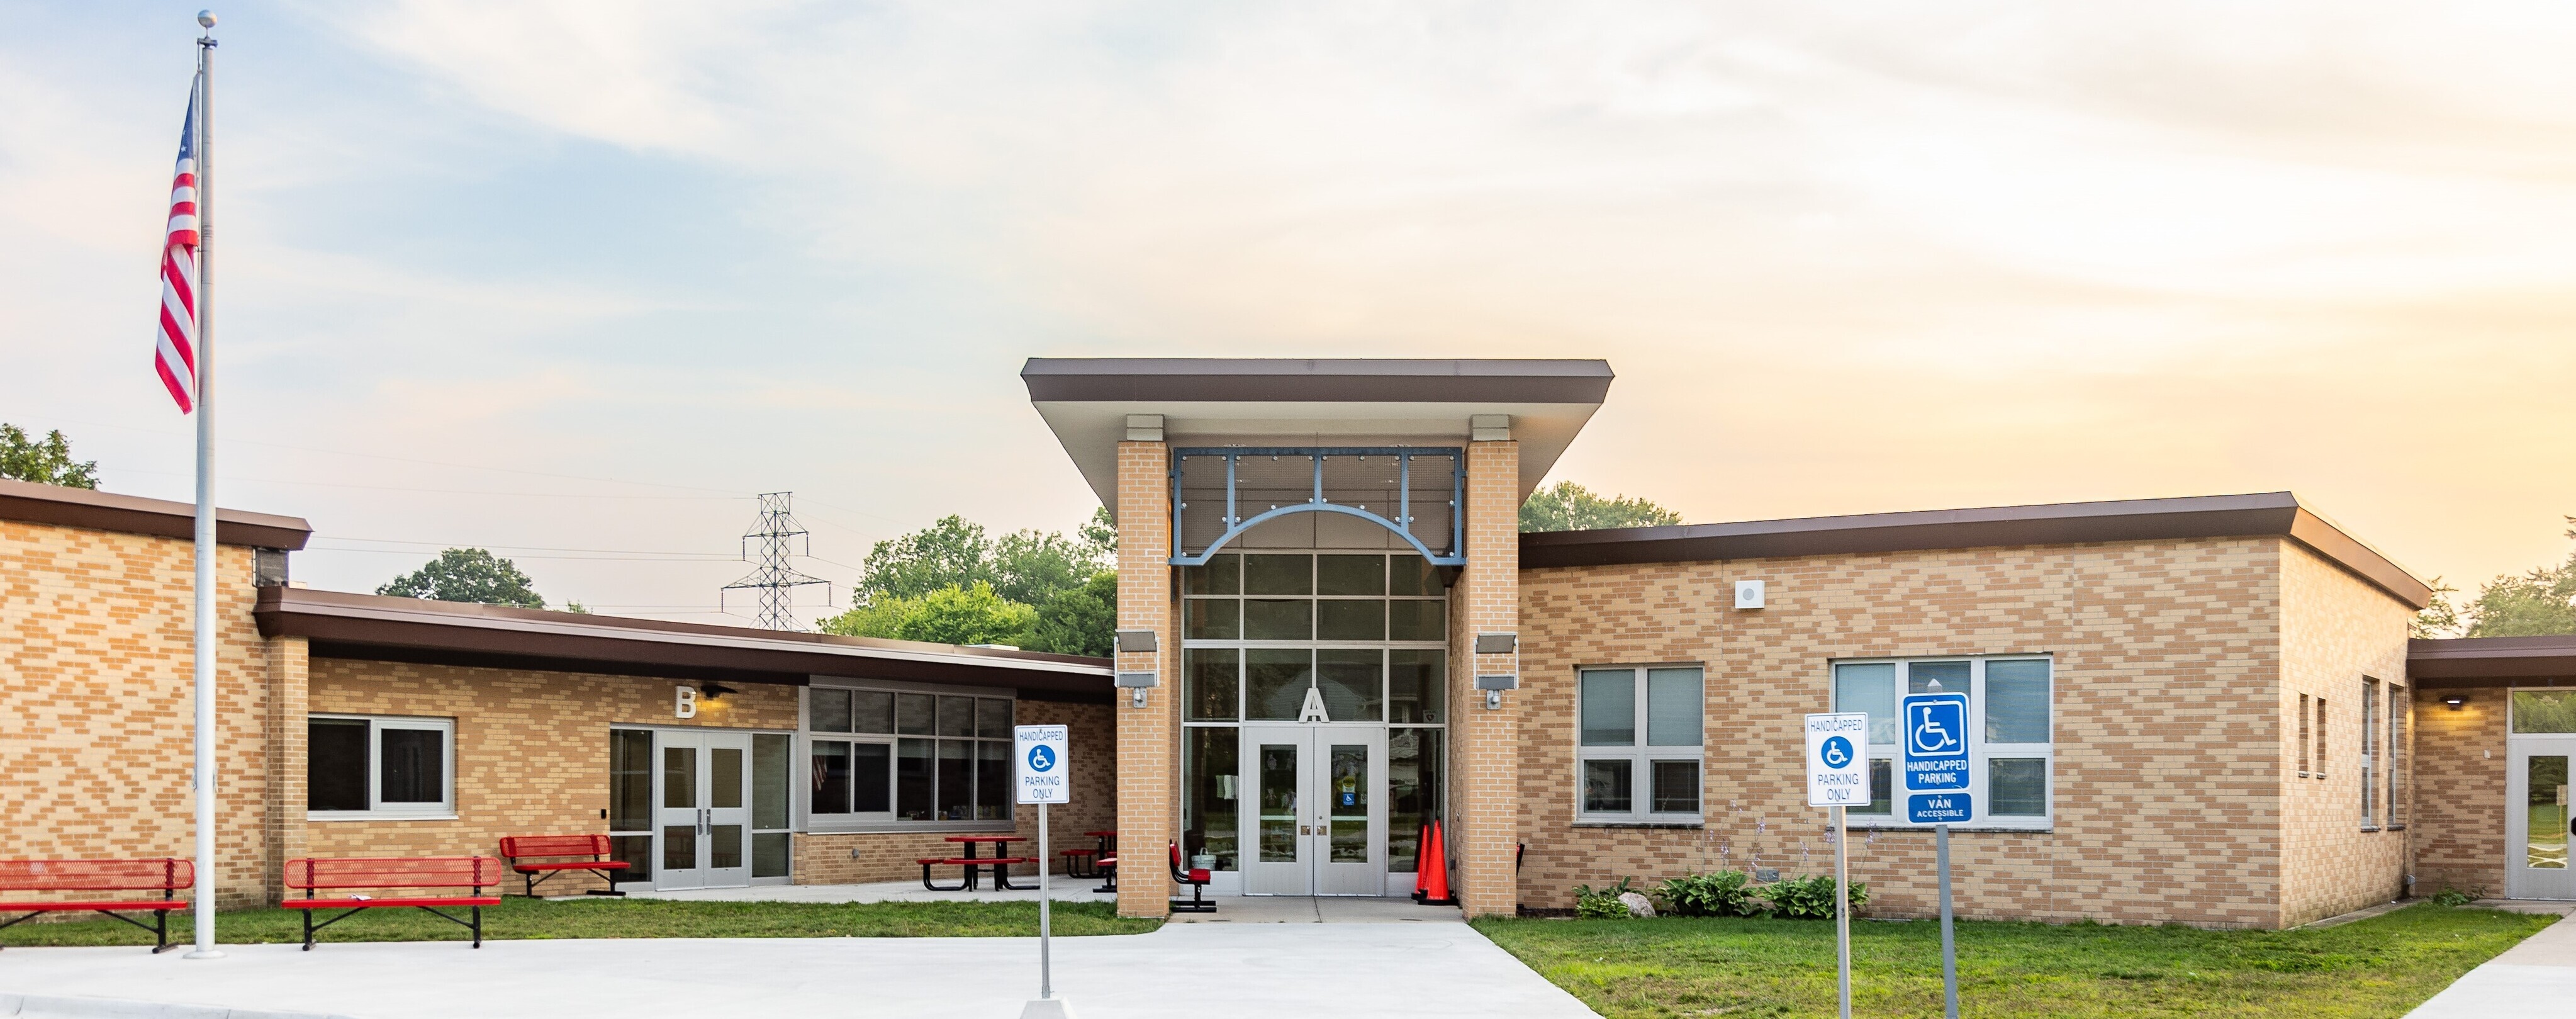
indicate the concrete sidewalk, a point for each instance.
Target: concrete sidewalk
{"x":1182,"y":971}
{"x":2534,"y":978}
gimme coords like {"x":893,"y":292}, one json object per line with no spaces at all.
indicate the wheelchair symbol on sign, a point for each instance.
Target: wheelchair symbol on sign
{"x":1929,"y":735}
{"x":1041,"y":759}
{"x":1837,"y":752}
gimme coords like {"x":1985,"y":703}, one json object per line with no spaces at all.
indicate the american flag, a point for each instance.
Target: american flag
{"x":176,"y":356}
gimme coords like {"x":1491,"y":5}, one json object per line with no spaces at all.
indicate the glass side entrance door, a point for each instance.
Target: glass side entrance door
{"x":2537,"y":822}
{"x":1315,"y":810}
{"x":701,"y":825}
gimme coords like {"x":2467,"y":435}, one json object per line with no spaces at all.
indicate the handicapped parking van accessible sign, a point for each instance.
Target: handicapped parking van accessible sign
{"x":1938,"y":770}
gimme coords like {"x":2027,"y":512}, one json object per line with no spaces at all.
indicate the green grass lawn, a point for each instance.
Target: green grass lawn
{"x":2382,"y":966}
{"x":522,"y":918}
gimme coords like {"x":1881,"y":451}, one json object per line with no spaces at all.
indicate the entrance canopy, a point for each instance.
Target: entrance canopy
{"x":1094,"y":403}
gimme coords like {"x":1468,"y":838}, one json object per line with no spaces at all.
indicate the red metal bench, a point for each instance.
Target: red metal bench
{"x":518,"y":849}
{"x":1001,"y":866}
{"x":406,"y":872}
{"x":164,"y":875}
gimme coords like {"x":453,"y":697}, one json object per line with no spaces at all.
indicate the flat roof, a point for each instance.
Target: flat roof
{"x":1318,"y":401}
{"x":2210,"y":516}
{"x":33,"y":503}
{"x":341,"y":624}
{"x":2484,"y":661}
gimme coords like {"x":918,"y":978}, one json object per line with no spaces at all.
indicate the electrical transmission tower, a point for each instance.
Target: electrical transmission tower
{"x":774,"y":578}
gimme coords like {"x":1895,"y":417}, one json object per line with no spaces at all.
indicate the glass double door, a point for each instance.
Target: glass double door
{"x":1314,"y":810}
{"x":2537,"y":821}
{"x":701,"y":821}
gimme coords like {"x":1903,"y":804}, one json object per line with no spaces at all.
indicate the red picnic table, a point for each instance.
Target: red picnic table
{"x":1086,"y":862}
{"x":1000,"y":863}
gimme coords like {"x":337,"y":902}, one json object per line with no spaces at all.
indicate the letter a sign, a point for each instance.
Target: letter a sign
{"x":1837,"y":766}
{"x":1038,"y":753}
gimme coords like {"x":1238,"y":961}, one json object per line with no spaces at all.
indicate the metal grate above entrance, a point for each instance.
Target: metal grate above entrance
{"x":1218,"y":493}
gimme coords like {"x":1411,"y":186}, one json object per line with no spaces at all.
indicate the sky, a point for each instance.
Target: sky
{"x":573,"y":281}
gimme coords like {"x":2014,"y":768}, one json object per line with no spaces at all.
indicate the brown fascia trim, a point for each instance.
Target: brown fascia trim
{"x":32,"y":503}
{"x":376,"y":627}
{"x":1289,"y":380}
{"x":2213,"y":516}
{"x":2491,"y":658}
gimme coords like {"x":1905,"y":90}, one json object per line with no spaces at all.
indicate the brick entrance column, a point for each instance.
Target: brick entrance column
{"x":1148,"y":737}
{"x":1484,"y":757}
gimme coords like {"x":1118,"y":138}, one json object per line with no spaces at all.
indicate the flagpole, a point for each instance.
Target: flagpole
{"x":204,"y":649}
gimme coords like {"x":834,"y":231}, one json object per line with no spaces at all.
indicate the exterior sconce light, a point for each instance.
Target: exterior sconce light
{"x":711,"y":691}
{"x":2455,"y":700}
{"x":1138,"y":640}
{"x":1138,"y":683}
{"x":1493,"y":686}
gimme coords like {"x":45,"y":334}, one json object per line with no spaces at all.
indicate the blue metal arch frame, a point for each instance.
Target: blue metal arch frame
{"x":1316,"y":503}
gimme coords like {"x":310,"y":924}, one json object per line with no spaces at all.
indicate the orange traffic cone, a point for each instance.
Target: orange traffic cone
{"x":1421,"y":875}
{"x":1436,"y":858}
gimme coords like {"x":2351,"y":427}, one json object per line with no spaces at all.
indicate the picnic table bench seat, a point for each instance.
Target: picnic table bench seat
{"x":526,"y":852}
{"x":315,"y":874}
{"x":166,"y":875}
{"x":1000,"y":864}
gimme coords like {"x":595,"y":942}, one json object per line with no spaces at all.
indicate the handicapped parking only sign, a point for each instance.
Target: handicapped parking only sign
{"x":1935,"y":760}
{"x":1837,"y":764}
{"x":1039,"y":763}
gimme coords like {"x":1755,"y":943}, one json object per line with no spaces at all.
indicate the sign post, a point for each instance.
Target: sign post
{"x":1939,"y":775}
{"x":1040,"y":768}
{"x":1838,"y":777}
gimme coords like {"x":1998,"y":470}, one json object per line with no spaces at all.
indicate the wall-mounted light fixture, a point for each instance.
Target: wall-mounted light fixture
{"x":2455,"y":700}
{"x":1138,"y":683}
{"x":711,"y":691}
{"x":1498,"y":643}
{"x":1138,"y":640}
{"x":1493,"y":686}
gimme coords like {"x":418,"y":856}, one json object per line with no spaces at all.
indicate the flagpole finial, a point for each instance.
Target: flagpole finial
{"x":206,"y":19}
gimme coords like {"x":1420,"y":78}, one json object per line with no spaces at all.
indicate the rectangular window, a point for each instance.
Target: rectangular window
{"x":373,"y":767}
{"x":2320,"y":757}
{"x":630,"y":802}
{"x":2400,"y":712}
{"x":1640,"y":731}
{"x":950,"y":763}
{"x":2303,"y":735}
{"x":2013,"y":700}
{"x":2369,"y":742}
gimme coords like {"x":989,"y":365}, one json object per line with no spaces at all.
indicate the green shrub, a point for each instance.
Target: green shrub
{"x":1720,"y":894}
{"x":1812,"y":897}
{"x":1602,"y":903}
{"x":2454,"y":897}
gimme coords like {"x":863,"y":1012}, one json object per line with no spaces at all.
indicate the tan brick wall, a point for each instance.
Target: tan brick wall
{"x":2166,"y":782}
{"x":2335,"y":630}
{"x":1484,"y":818}
{"x":95,"y":662}
{"x":2460,"y":770}
{"x":1148,"y":738}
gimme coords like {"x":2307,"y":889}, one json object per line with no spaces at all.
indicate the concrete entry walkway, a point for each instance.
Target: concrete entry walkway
{"x":2534,"y":978}
{"x":1318,"y":909}
{"x":1061,"y":889}
{"x":1183,"y":971}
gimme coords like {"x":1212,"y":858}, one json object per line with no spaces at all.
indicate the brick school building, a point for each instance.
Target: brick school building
{"x":2201,"y":710}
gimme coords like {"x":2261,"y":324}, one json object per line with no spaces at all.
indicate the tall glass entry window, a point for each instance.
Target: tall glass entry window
{"x":1341,"y":639}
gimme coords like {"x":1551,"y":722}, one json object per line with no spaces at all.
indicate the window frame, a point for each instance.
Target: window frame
{"x":376,"y":810}
{"x":808,"y":821}
{"x":1980,"y":751}
{"x":2401,"y":720}
{"x":1640,"y":754}
{"x":2366,"y":752}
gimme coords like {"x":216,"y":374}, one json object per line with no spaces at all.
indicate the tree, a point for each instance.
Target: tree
{"x":48,"y":462}
{"x":467,"y":575}
{"x":1080,"y":621}
{"x":2537,"y":603}
{"x":1566,"y":506}
{"x":950,"y":553}
{"x":1032,"y":567}
{"x":950,"y":615}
